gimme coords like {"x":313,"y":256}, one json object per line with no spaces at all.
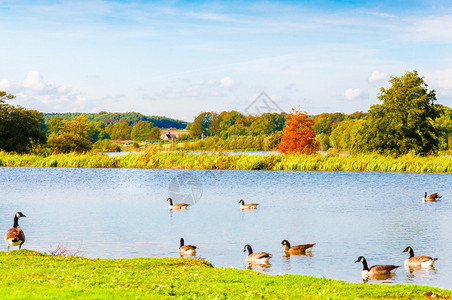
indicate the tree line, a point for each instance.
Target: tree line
{"x":408,"y":120}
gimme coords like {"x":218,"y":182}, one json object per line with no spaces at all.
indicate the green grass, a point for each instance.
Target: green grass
{"x":32,"y":275}
{"x":218,"y":161}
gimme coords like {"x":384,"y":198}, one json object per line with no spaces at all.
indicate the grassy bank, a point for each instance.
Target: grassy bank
{"x":27,"y":274}
{"x":150,"y":159}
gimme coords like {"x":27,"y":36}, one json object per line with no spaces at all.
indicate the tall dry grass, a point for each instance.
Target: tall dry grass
{"x":152,"y":159}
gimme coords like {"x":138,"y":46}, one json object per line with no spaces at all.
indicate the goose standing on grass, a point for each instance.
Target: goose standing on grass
{"x":418,"y":261}
{"x":186,"y":249}
{"x":15,"y":236}
{"x":176,"y":205}
{"x":257,"y":257}
{"x":248,"y":205}
{"x":431,"y":197}
{"x":375,"y":271}
{"x":298,"y":249}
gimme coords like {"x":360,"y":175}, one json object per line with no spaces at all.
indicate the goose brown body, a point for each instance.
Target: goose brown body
{"x":247,"y":205}
{"x":15,"y":236}
{"x":176,"y":205}
{"x":418,"y":261}
{"x":431,"y":197}
{"x":256,"y":257}
{"x":298,"y":249}
{"x":186,"y":249}
{"x":376,"y":270}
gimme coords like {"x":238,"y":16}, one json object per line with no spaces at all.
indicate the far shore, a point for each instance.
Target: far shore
{"x":150,"y":159}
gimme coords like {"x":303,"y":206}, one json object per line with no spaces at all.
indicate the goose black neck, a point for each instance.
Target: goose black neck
{"x":411,"y":252}
{"x":181,"y":242}
{"x":288,"y":245}
{"x":170,"y":201}
{"x":16,"y":222}
{"x":250,"y":250}
{"x":365,"y":267}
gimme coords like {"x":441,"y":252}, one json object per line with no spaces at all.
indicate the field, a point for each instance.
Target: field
{"x":29,"y":274}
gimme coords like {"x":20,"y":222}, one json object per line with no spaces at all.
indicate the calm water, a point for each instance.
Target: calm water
{"x":112,"y":213}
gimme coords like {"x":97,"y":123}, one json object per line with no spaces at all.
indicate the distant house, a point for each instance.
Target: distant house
{"x":168,"y":136}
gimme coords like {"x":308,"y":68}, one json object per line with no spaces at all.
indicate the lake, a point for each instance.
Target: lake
{"x":123,"y":213}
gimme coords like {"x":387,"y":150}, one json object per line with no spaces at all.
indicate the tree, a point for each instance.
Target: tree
{"x":298,"y":134}
{"x":142,"y":131}
{"x":119,"y":131}
{"x":73,"y":136}
{"x":404,"y":122}
{"x":20,"y":129}
{"x":344,"y":134}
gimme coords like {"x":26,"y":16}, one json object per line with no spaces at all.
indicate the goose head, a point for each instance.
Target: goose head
{"x":285,"y":243}
{"x":242,"y":202}
{"x":248,"y":248}
{"x":20,"y":215}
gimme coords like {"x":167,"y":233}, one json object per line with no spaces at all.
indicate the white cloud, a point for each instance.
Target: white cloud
{"x":441,"y":81}
{"x":434,"y":28}
{"x":377,"y":77}
{"x":351,"y":94}
{"x":36,"y":93}
{"x":227,"y":82}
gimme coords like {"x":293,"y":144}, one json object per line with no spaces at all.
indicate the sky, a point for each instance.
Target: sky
{"x":180,"y":58}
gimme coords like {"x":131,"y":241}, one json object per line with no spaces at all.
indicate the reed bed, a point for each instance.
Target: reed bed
{"x":219,"y":161}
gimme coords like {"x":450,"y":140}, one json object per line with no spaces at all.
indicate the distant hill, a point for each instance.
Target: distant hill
{"x":131,"y":118}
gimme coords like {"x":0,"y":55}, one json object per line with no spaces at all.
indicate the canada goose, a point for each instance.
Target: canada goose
{"x":248,"y":205}
{"x":431,"y":197}
{"x":186,"y":249}
{"x":375,"y":270}
{"x":257,"y":257}
{"x":176,"y":205}
{"x":15,"y":236}
{"x":418,"y":261}
{"x":298,"y":249}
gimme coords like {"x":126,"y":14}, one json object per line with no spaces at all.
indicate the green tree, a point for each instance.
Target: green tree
{"x":345,"y":134}
{"x":142,"y":131}
{"x":96,"y":131}
{"x":54,"y":125}
{"x":20,"y":129}
{"x":119,"y":131}
{"x":73,"y":136}
{"x":404,"y":122}
{"x":444,"y":122}
{"x":205,"y":124}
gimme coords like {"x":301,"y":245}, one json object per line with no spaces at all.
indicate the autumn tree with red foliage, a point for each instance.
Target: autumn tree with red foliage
{"x":298,"y":134}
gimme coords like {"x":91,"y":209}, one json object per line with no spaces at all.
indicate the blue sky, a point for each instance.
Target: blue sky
{"x":179,"y":58}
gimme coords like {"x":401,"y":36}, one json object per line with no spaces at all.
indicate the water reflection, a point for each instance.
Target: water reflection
{"x":419,"y":272}
{"x":380,"y":278}
{"x":261,"y":267}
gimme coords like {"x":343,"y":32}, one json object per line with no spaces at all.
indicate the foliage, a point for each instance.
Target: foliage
{"x":119,"y":131}
{"x":144,"y":131}
{"x":404,"y":122}
{"x":233,"y":123}
{"x":96,"y":132}
{"x":20,"y":129}
{"x":73,"y":136}
{"x":298,"y":134}
{"x":106,"y":146}
{"x":444,"y":123}
{"x":131,"y":118}
{"x":35,"y":275}
{"x":345,"y":134}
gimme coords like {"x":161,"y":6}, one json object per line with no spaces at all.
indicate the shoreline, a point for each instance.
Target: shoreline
{"x":219,"y":161}
{"x":43,"y":275}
